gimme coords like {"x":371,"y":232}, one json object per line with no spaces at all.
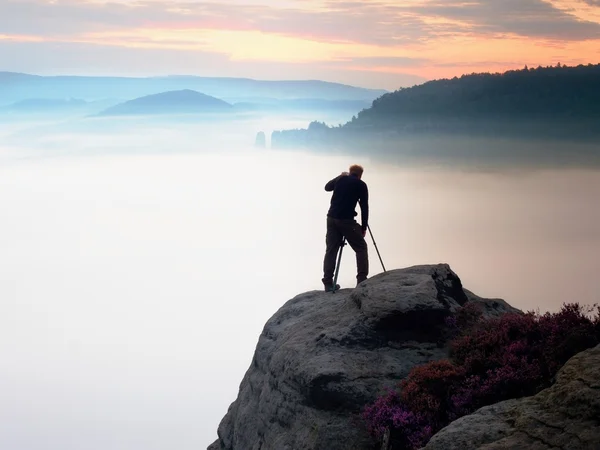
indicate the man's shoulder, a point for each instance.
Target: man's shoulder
{"x":357,"y":181}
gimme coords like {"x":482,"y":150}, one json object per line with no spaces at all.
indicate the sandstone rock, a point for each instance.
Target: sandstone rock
{"x":323,"y":356}
{"x":491,"y":307}
{"x":564,"y":416}
{"x":261,"y":140}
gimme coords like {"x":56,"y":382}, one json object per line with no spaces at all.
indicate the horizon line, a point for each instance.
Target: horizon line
{"x":301,"y":80}
{"x":175,"y":75}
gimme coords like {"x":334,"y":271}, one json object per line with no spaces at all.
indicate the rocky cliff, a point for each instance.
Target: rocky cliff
{"x":564,"y":416}
{"x":323,"y":356}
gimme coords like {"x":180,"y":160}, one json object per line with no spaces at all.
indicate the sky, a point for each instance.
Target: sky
{"x":371,"y":43}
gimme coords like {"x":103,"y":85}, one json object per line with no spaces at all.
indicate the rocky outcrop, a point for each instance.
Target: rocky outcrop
{"x":564,"y":416}
{"x":261,"y":140}
{"x":323,"y":356}
{"x":317,"y":135}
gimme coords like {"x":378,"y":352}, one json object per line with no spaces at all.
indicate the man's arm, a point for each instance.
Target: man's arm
{"x":331,"y":184}
{"x":364,"y":207}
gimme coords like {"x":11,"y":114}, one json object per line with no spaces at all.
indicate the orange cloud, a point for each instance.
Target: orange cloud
{"x":426,"y":38}
{"x":578,"y":8}
{"x":242,"y":45}
{"x":20,"y":38}
{"x":445,"y":57}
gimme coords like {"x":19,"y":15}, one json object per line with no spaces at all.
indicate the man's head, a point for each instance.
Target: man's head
{"x":357,"y":170}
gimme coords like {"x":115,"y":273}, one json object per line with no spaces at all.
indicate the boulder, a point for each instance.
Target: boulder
{"x":323,"y":356}
{"x":563,"y":416}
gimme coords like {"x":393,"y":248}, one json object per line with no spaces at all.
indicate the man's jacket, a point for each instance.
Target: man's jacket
{"x":347,"y":191}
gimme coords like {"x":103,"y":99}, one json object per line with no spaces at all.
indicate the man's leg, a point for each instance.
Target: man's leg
{"x":333,"y":241}
{"x":353,"y":233}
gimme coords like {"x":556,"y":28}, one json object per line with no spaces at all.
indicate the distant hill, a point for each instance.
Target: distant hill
{"x":15,"y":87}
{"x":44,"y":104}
{"x":175,"y":102}
{"x":9,"y":77}
{"x":566,"y":92}
{"x":553,"y":102}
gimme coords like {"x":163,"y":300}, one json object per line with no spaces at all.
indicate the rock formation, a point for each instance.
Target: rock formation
{"x":323,"y":356}
{"x":318,"y":134}
{"x":261,"y":140}
{"x":564,"y":416}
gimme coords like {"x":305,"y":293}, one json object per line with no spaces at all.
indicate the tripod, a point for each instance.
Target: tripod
{"x":339,"y":260}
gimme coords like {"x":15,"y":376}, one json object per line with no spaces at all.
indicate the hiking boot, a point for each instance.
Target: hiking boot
{"x":331,"y":288}
{"x":360,"y":280}
{"x":328,"y":284}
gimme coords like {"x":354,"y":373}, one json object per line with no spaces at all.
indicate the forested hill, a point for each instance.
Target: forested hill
{"x":549,"y":102}
{"x":565,"y":92}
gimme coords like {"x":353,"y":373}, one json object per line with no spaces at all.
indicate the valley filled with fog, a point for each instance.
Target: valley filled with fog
{"x":141,"y":258}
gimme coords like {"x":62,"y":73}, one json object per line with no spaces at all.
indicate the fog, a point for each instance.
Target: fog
{"x":140,"y":260}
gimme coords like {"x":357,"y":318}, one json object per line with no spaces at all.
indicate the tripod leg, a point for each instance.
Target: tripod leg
{"x":337,"y":269}
{"x":375,"y":244}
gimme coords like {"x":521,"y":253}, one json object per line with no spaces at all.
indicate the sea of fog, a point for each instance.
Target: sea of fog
{"x":139,"y":263}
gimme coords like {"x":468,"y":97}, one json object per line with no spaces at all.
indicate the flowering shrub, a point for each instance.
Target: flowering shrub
{"x":491,"y":360}
{"x":428,"y":389}
{"x":567,"y":332}
{"x":408,"y":429}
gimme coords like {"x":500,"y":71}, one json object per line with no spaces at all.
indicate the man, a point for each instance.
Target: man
{"x":348,"y":189}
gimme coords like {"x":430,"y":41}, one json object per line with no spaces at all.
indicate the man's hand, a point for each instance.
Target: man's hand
{"x":345,"y":174}
{"x":364,"y":232}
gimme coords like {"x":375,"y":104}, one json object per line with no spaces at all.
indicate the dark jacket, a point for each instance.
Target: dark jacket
{"x":347,"y":191}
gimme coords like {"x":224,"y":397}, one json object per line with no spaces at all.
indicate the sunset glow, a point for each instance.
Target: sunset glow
{"x":401,"y":42}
